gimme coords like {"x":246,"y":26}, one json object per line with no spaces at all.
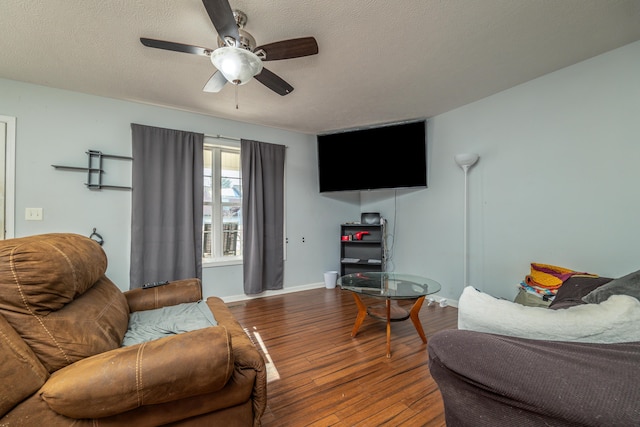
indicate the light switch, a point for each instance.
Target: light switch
{"x":33,"y":214}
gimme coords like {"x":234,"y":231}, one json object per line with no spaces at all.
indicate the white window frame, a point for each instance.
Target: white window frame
{"x":8,"y":170}
{"x":214,"y":145}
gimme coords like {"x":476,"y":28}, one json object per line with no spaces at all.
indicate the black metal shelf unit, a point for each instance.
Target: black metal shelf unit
{"x":94,"y":170}
{"x":364,"y":254}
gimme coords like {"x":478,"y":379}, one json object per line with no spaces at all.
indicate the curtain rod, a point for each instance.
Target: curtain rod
{"x":230,"y":138}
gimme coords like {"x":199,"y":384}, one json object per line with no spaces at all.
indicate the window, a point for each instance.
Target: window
{"x":222,"y":215}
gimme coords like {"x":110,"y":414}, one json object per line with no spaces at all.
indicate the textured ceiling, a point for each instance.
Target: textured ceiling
{"x":378,"y":62}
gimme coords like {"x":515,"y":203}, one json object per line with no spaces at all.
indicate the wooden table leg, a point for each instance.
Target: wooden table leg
{"x":413,"y":314}
{"x":388,"y":327}
{"x":362,"y":313}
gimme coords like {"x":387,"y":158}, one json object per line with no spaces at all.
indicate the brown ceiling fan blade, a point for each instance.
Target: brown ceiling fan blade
{"x":177,"y":47}
{"x":286,"y":49}
{"x":215,"y":83}
{"x":274,"y":82}
{"x":222,"y":18}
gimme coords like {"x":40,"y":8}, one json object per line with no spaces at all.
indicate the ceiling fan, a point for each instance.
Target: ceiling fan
{"x":237,"y":58}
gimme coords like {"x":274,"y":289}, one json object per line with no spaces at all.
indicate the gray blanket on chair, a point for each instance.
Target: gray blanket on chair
{"x":162,"y":322}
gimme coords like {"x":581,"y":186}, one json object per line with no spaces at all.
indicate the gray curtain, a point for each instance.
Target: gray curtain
{"x":166,"y":205}
{"x":263,"y":215}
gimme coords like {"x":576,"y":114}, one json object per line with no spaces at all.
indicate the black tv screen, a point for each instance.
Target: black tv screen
{"x":379,"y":157}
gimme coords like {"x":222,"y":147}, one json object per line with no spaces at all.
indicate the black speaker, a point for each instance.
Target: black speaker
{"x":370,"y":218}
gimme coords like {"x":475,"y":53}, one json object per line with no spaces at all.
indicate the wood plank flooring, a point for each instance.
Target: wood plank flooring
{"x":320,"y":376}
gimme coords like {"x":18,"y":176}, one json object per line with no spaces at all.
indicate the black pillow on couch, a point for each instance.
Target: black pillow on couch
{"x":574,"y":289}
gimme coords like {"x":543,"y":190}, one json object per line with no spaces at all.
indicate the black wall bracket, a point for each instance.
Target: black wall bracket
{"x":94,"y":170}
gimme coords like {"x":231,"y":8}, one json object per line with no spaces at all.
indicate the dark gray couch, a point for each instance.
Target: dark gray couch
{"x":494,"y":380}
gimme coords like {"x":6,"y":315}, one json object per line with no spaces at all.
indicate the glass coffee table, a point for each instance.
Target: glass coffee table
{"x":391,"y":287}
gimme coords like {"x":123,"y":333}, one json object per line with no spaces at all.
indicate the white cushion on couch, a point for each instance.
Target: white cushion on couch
{"x":614,"y":320}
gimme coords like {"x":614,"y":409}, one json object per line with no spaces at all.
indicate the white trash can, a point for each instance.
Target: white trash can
{"x":330,"y":279}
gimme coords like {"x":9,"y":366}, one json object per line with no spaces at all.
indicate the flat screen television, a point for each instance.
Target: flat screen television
{"x":378,"y":157}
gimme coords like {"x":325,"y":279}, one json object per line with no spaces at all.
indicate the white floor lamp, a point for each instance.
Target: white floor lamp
{"x":465,"y":161}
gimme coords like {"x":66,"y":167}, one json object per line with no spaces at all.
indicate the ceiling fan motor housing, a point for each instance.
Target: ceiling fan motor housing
{"x":246,"y":40}
{"x":240,"y":17}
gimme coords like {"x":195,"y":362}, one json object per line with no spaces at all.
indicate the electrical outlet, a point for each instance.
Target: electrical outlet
{"x":33,"y":214}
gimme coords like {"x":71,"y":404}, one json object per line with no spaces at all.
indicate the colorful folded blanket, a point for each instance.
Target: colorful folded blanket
{"x":540,"y":291}
{"x":550,"y":277}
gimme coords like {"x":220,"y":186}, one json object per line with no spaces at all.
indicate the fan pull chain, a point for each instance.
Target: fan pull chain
{"x":236,"y":96}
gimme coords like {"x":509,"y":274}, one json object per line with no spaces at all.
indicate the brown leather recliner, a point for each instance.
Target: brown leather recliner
{"x":62,"y":323}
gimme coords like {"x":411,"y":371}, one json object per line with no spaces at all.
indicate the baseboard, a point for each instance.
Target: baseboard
{"x":243,"y":297}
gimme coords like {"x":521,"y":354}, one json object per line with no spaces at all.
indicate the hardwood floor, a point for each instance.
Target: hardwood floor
{"x":320,"y":376}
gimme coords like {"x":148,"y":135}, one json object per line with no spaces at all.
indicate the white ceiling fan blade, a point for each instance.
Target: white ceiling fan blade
{"x":215,"y":83}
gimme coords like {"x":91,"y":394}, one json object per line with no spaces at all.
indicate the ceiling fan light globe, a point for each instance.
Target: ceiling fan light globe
{"x":237,"y":65}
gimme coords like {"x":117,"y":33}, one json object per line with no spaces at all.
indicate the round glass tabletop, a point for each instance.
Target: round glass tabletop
{"x":390,"y":285}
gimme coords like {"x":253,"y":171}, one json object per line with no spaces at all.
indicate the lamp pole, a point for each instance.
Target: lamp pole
{"x":465,"y":161}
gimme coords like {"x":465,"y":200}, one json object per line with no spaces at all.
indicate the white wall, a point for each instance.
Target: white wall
{"x":556,"y":183}
{"x":58,"y":127}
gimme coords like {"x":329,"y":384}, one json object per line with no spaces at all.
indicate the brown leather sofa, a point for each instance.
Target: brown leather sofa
{"x":62,"y":363}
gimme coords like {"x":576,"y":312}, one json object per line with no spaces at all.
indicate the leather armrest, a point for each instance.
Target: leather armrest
{"x":245,"y":353}
{"x":21,"y":371}
{"x":176,"y":292}
{"x":159,"y":371}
